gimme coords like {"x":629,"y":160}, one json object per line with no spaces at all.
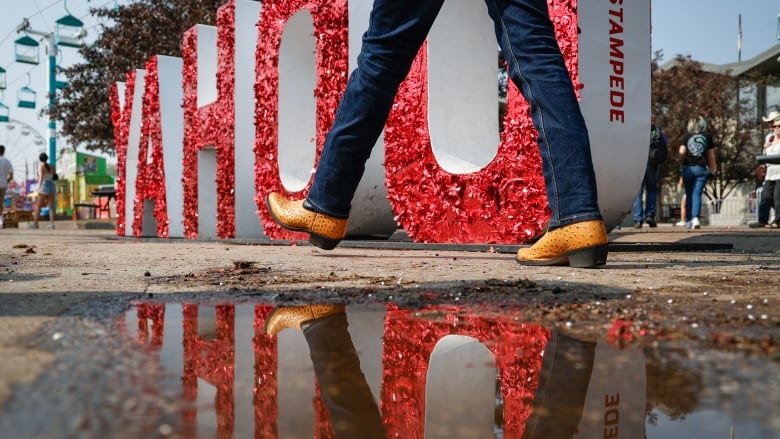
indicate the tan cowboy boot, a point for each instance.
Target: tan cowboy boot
{"x":324,"y":231}
{"x":294,"y":316}
{"x":580,"y":245}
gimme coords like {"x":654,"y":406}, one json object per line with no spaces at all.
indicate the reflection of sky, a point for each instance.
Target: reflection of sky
{"x":703,"y":424}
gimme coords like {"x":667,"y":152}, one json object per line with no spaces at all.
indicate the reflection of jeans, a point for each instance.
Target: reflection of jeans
{"x":650,"y":186}
{"x":694,"y":178}
{"x":396,"y":30}
{"x":354,"y":413}
{"x":563,"y":386}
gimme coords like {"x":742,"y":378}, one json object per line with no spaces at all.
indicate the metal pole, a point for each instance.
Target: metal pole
{"x":52,"y":125}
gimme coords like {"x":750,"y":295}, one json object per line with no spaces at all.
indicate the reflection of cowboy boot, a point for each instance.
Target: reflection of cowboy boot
{"x":295,"y":316}
{"x":563,"y":385}
{"x":353,"y":410}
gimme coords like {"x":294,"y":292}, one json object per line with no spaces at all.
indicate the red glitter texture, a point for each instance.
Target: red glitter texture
{"x":120,"y":120}
{"x":330,"y":32}
{"x":266,"y":398}
{"x":213,"y":361}
{"x":409,"y":342}
{"x":505,"y":202}
{"x":212,"y":125}
{"x":150,"y":184}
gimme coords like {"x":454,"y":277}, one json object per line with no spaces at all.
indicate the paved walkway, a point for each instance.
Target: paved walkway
{"x":46,"y":274}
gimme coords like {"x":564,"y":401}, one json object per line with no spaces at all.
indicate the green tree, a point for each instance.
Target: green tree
{"x":728,"y":102}
{"x":140,"y":30}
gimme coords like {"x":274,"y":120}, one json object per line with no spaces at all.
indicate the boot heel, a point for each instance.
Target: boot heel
{"x":322,"y":242}
{"x":588,"y":257}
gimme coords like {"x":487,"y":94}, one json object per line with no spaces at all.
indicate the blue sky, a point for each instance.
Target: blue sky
{"x":705,"y":29}
{"x":42,"y":15}
{"x":708,"y":29}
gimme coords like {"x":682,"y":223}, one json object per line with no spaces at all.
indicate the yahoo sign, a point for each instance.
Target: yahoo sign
{"x":203,"y":138}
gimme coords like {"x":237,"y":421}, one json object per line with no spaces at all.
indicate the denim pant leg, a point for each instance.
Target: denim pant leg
{"x":694,"y":179}
{"x":638,"y":208}
{"x":527,"y":39}
{"x":766,"y":202}
{"x":698,"y":192}
{"x":652,"y":175}
{"x":396,"y":30}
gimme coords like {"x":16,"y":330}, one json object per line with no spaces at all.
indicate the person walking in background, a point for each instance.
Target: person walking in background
{"x":46,"y":191}
{"x":766,"y":201}
{"x":698,"y":163}
{"x":649,"y":187}
{"x":770,"y":196}
{"x":576,"y":235}
{"x":6,"y":176}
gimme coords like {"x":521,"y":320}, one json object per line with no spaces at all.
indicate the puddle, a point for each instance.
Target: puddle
{"x":442,"y":372}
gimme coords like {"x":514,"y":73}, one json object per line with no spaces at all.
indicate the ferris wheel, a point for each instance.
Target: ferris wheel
{"x":23,"y":144}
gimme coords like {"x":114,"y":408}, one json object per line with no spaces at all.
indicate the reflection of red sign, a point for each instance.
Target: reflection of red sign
{"x":408,"y":343}
{"x":213,"y":361}
{"x":265,"y":392}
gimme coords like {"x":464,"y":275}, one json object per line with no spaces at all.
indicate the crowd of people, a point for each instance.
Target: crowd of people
{"x":698,"y":166}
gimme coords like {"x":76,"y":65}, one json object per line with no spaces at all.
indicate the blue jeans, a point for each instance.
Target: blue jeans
{"x":396,"y":30}
{"x":694,"y":178}
{"x":650,"y":186}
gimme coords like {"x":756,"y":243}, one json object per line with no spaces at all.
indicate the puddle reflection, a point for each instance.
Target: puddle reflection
{"x":444,"y":372}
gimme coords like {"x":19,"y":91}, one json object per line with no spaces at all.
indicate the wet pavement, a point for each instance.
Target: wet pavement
{"x":114,"y":337}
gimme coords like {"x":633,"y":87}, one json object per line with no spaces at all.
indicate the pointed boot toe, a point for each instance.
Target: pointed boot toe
{"x":579,"y":245}
{"x":324,"y":231}
{"x":295,"y":316}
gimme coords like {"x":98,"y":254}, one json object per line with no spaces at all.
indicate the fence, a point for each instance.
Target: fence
{"x":733,"y":211}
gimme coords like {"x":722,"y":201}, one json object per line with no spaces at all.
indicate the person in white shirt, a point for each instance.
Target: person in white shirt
{"x":771,"y":193}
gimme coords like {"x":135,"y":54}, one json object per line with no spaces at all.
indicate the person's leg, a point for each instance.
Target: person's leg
{"x":762,"y":209}
{"x":576,"y":234}
{"x":563,"y":385}
{"x":396,"y":30}
{"x":688,"y":182}
{"x":652,"y":176}
{"x":36,"y":210}
{"x":765,"y":204}
{"x":536,"y":66}
{"x":698,"y":190}
{"x":353,"y":410}
{"x":638,"y":209}
{"x":50,"y":204}
{"x":775,"y":200}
